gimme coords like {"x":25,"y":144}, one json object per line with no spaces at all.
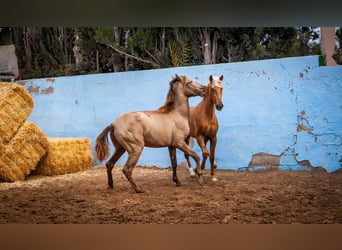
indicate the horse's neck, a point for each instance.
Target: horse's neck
{"x":182,"y":105}
{"x":207,"y":106}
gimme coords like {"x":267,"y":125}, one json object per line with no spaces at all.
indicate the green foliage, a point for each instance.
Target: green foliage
{"x":141,"y":38}
{"x":238,"y":44}
{"x":51,"y":53}
{"x":42,"y":53}
{"x":180,"y":49}
{"x":278,"y":41}
{"x":104,"y":35}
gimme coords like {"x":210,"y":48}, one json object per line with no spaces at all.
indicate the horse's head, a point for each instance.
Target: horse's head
{"x":216,"y":88}
{"x":181,"y":86}
{"x":189,"y":87}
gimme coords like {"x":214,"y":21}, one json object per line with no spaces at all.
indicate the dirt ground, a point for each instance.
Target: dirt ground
{"x":238,"y":197}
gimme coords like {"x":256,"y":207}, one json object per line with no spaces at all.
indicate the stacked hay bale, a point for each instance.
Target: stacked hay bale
{"x":21,"y":155}
{"x":66,"y":155}
{"x":25,"y":149}
{"x":22,"y":144}
{"x":15,"y":106}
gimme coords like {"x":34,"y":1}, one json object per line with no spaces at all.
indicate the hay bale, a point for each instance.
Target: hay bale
{"x":66,"y":155}
{"x":9,"y":171}
{"x":21,"y":155}
{"x":16,"y":105}
{"x":2,"y":147}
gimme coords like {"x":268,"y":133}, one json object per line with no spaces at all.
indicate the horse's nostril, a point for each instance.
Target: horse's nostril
{"x":219,"y":107}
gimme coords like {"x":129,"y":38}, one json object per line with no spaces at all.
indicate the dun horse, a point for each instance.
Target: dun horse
{"x":166,"y":127}
{"x":204,"y":125}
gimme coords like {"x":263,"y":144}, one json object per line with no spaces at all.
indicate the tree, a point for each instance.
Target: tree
{"x":45,"y":51}
{"x":278,"y":41}
{"x":338,"y":49}
{"x":127,"y":48}
{"x":54,"y":51}
{"x":237,"y":44}
{"x":306,"y":42}
{"x":88,"y":47}
{"x":208,"y":39}
{"x":51,"y":53}
{"x":67,"y":38}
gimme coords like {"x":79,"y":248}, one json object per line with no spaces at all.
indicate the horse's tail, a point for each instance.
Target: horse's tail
{"x":101,"y":144}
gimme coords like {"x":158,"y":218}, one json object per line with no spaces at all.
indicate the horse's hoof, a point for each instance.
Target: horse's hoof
{"x":214,"y":179}
{"x":139,"y":191}
{"x":215,"y":164}
{"x":200,"y":180}
{"x":178,"y":184}
{"x":192,"y":172}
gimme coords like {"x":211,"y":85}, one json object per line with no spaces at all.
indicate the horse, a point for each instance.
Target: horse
{"x":204,"y":124}
{"x":166,"y":127}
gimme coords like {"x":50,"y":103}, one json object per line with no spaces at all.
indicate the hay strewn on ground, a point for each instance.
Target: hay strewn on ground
{"x":21,"y":155}
{"x":15,"y":106}
{"x":66,"y":155}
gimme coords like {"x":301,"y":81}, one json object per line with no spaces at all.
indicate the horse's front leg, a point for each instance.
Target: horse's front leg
{"x":202,"y":143}
{"x":213,"y":165}
{"x":186,"y":149}
{"x":191,"y":171}
{"x":173,"y":158}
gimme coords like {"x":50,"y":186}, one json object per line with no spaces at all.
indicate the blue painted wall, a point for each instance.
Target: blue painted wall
{"x":266,"y":106}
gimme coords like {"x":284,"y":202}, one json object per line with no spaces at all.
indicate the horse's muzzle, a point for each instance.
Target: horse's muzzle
{"x":219,"y":106}
{"x":203,"y":88}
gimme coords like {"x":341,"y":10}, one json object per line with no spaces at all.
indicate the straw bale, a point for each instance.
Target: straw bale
{"x":66,"y":155}
{"x":16,"y":105}
{"x":2,"y":147}
{"x":23,"y":152}
{"x":9,"y":171}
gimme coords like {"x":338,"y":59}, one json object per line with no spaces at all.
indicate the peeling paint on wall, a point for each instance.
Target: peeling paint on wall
{"x":47,"y":91}
{"x":287,"y":160}
{"x":50,"y":80}
{"x":33,"y":90}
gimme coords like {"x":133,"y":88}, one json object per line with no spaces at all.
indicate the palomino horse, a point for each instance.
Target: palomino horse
{"x":166,"y":127}
{"x":204,"y":125}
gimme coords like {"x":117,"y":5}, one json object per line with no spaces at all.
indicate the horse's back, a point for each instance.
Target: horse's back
{"x":147,"y":128}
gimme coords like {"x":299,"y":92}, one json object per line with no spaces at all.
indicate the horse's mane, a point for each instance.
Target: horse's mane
{"x":168,"y":105}
{"x":170,"y":99}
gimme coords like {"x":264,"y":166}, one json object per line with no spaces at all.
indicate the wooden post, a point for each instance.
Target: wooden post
{"x":328,"y":44}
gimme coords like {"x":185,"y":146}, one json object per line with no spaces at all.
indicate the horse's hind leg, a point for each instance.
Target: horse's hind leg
{"x":172,"y":153}
{"x":111,"y":162}
{"x":129,"y":166}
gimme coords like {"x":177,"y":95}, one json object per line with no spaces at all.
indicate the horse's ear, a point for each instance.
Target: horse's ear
{"x":221,"y":77}
{"x":210,"y":78}
{"x":178,"y":77}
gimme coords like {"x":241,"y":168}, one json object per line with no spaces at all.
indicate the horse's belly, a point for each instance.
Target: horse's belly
{"x":157,"y":138}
